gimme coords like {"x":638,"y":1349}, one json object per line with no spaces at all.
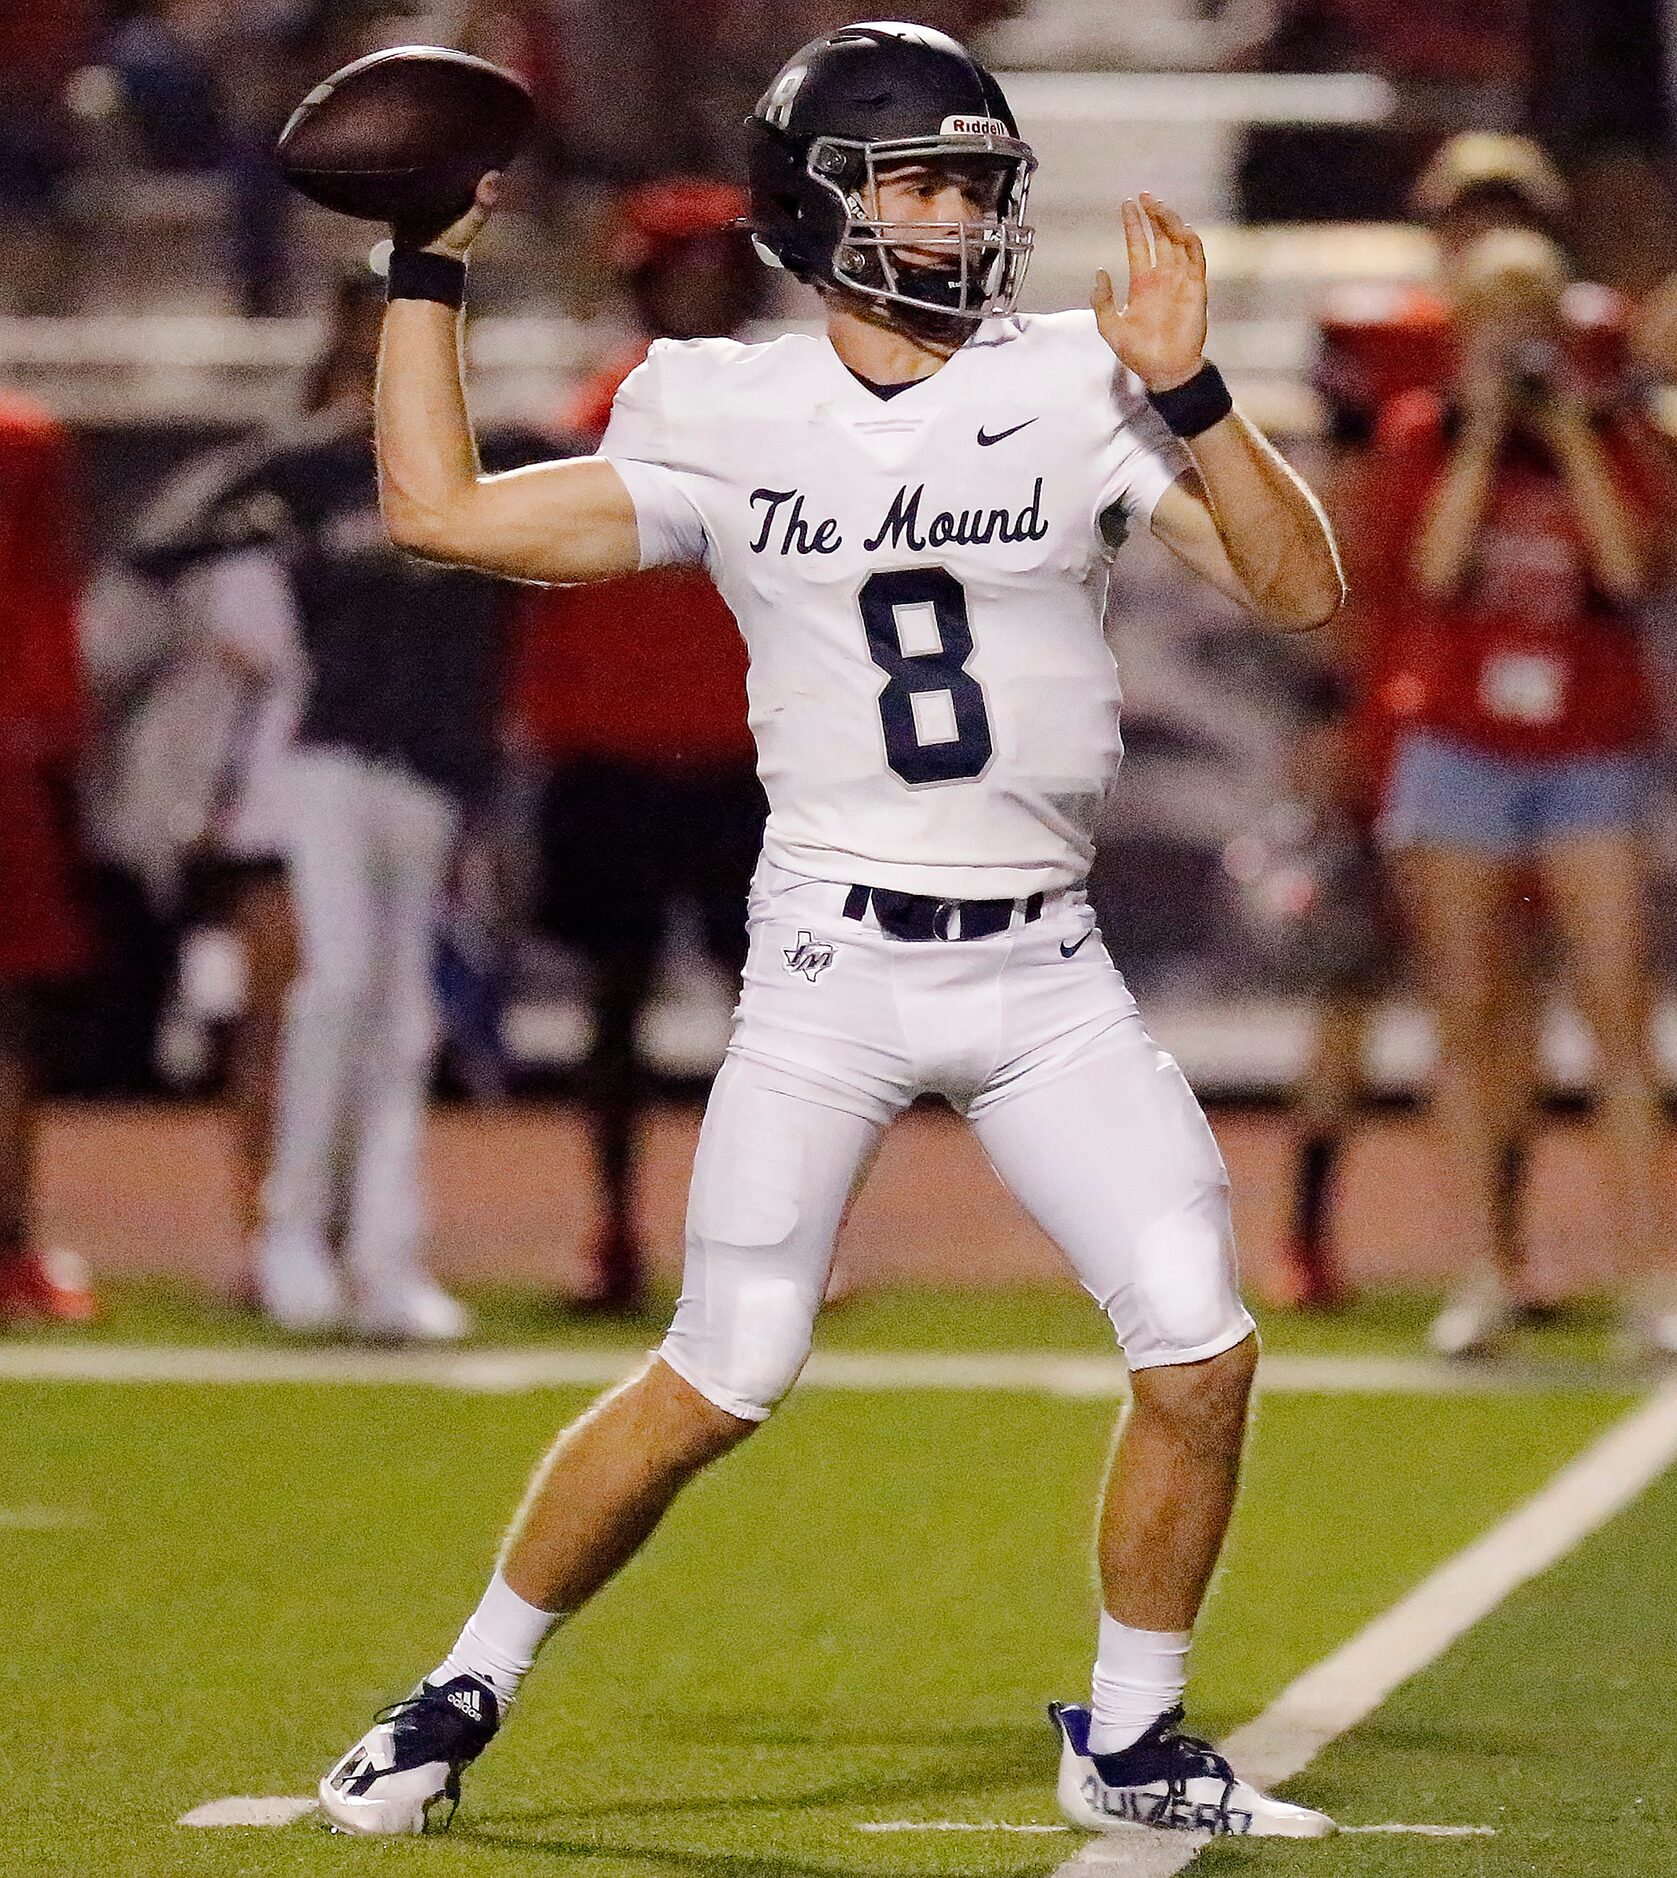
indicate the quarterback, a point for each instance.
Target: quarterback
{"x":913,"y":518}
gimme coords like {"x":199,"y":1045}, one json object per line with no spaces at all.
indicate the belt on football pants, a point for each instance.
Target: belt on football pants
{"x":918,"y":916}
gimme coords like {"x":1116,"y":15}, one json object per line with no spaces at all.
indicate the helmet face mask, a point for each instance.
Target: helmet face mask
{"x":966,"y":268}
{"x":845,"y":113}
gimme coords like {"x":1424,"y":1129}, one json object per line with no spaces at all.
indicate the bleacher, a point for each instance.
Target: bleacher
{"x":151,"y":336}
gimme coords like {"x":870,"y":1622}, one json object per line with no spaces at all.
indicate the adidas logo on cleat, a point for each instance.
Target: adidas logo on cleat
{"x":407,"y":1766}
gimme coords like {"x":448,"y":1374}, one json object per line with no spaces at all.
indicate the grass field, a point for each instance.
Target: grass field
{"x":855,"y":1620}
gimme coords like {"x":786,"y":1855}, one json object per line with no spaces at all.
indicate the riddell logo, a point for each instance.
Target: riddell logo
{"x":975,"y":127}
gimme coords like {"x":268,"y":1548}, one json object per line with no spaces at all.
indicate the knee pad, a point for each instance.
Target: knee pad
{"x":1182,"y":1303}
{"x":742,"y":1330}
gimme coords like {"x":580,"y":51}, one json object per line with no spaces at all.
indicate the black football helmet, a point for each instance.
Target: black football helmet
{"x":853,"y":103}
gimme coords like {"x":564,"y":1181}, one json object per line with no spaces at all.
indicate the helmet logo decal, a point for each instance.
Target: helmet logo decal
{"x":776,"y":108}
{"x":973,"y":127}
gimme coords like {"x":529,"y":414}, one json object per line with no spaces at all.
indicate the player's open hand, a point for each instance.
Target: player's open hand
{"x":1159,"y":332}
{"x":456,"y":240}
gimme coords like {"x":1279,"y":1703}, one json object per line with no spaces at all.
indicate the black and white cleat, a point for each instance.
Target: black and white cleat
{"x":1169,"y":1781}
{"x":409,"y":1762}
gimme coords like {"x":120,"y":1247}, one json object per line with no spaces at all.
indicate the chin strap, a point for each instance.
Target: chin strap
{"x":923,"y":325}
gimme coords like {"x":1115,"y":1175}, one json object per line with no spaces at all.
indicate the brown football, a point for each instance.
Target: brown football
{"x":404,"y":136}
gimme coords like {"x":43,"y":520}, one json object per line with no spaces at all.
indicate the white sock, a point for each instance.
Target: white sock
{"x":499,"y":1643}
{"x":1138,"y":1675}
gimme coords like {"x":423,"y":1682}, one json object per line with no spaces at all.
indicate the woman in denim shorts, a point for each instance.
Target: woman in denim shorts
{"x":1515,"y":539}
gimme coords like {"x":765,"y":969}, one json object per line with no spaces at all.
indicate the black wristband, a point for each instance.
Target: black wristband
{"x":1195,"y":405}
{"x":416,"y":274}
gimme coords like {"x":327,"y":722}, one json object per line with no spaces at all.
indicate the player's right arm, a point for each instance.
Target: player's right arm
{"x":555,"y":522}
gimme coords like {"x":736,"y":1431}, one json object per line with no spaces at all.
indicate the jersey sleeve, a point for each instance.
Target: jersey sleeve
{"x":1140,"y":463}
{"x":638,"y":446}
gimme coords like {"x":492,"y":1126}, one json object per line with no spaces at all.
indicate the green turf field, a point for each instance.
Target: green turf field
{"x":855,"y":1620}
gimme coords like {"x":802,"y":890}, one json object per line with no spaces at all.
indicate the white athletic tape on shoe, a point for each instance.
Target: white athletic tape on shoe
{"x":249,"y":1809}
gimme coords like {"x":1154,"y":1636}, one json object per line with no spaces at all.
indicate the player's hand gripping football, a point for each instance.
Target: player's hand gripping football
{"x":1159,"y":332}
{"x":455,"y":241}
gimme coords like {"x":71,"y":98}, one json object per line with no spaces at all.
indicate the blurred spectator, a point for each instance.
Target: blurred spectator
{"x":167,"y":82}
{"x":1598,"y":95}
{"x":1513,"y":531}
{"x":1590,"y":80}
{"x":1379,"y":344}
{"x":395,"y":743}
{"x":1452,"y":67}
{"x":1311,"y":879}
{"x":40,"y":46}
{"x":1379,"y":341}
{"x":239,"y":676}
{"x":193,"y":93}
{"x":684,"y":73}
{"x":280,"y":51}
{"x":1422,"y":42}
{"x":247,"y":607}
{"x":631,"y":697}
{"x":43,"y":931}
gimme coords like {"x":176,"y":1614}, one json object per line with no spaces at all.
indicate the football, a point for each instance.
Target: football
{"x":404,"y":136}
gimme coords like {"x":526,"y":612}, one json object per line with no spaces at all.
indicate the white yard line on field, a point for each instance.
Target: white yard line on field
{"x":1347,"y":1686}
{"x":1004,"y":1825}
{"x":44,"y":1519}
{"x":283,"y":1809}
{"x":950,"y":1825}
{"x":521,"y":1369}
{"x":250,"y":1809}
{"x":1431,"y":1832}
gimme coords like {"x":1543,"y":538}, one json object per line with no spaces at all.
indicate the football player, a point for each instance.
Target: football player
{"x":913,"y":518}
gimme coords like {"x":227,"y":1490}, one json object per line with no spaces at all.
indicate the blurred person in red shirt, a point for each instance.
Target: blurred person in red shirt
{"x":631,"y":698}
{"x":1379,"y":340}
{"x":43,"y":932}
{"x":1510,"y":528}
{"x":1378,"y":343}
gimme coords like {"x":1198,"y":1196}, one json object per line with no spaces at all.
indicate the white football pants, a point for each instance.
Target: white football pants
{"x":1035,"y":1038}
{"x":368,"y":851}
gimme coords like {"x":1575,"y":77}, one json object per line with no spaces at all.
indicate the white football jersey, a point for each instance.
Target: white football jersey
{"x":921,"y":582}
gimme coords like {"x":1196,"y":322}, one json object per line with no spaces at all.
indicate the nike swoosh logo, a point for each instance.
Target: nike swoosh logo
{"x":986,"y":439}
{"x":1066,"y":951}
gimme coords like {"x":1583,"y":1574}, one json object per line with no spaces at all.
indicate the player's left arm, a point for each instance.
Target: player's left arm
{"x":1240,"y":517}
